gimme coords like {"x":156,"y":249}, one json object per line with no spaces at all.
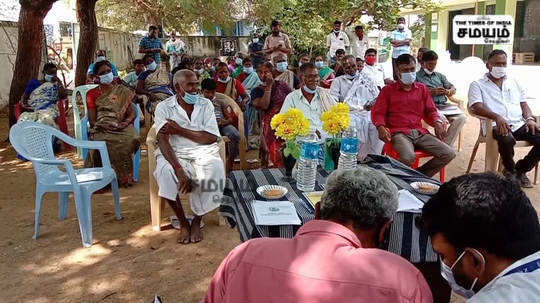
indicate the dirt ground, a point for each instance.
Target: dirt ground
{"x":128,"y":262}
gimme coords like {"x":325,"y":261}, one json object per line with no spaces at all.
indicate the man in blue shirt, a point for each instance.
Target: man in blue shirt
{"x":401,"y":41}
{"x":151,"y":44}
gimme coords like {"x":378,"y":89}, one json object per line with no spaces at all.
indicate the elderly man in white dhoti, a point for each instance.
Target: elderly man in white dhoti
{"x":359,"y":90}
{"x":188,"y":158}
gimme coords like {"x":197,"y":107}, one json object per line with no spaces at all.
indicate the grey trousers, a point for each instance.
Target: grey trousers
{"x":406,"y":144}
{"x":456,"y":124}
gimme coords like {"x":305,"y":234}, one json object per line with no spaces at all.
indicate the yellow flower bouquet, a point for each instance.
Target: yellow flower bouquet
{"x":335,"y":122}
{"x":288,"y":126}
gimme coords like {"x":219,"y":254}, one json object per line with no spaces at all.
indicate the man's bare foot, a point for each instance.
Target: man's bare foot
{"x":184,"y":235}
{"x":196,"y":232}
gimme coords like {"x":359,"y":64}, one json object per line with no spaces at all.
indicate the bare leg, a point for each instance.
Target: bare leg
{"x":185,"y":229}
{"x":196,"y":232}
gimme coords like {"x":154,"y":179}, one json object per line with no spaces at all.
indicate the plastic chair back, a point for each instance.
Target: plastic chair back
{"x":33,"y":140}
{"x":77,"y":118}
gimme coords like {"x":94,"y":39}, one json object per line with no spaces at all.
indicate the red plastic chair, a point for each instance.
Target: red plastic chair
{"x":391,"y":152}
{"x":61,"y":120}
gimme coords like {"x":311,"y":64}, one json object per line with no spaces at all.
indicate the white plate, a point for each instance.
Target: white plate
{"x":416,"y":186}
{"x":261,"y":190}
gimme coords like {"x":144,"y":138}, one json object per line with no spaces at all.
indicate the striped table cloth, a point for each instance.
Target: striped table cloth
{"x":405,"y":238}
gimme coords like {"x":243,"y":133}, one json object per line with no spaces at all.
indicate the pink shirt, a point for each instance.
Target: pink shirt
{"x":324,"y":262}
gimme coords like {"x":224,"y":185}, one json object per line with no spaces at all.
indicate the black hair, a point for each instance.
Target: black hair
{"x":302,"y":69}
{"x":246,"y":59}
{"x":266,"y":64}
{"x":275,"y":23}
{"x":429,"y":56}
{"x":337,"y":22}
{"x":358,"y":27}
{"x":496,"y":52}
{"x":146,"y":57}
{"x":405,"y":59}
{"x":208,"y":84}
{"x":99,"y":64}
{"x":340,"y":51}
{"x":152,"y":27}
{"x":178,"y":67}
{"x":138,"y":61}
{"x":484,"y":211}
{"x":371,"y":51}
{"x":400,"y":19}
{"x":48,"y":66}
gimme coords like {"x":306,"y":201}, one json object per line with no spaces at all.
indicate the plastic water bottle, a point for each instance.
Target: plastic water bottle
{"x":307,"y":164}
{"x":349,"y":149}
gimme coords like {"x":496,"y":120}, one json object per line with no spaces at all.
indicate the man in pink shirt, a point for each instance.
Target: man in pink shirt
{"x":398,"y":115}
{"x":333,"y":258}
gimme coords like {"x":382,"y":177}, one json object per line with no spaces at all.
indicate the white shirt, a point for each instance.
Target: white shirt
{"x":312,"y":110}
{"x":340,"y":87}
{"x":359,"y":47}
{"x":377,"y":73}
{"x":176,"y":46}
{"x":519,"y":287}
{"x":505,"y":102}
{"x":202,"y":119}
{"x":341,"y":41}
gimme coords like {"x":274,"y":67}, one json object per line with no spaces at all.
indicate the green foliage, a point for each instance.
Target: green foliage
{"x":292,"y":148}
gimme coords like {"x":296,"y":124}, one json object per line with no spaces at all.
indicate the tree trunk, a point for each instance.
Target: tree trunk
{"x":86,"y":15}
{"x":30,"y":42}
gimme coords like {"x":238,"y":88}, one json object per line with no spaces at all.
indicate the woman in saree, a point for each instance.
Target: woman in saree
{"x":111,"y":116}
{"x":268,"y":99}
{"x":325,"y":73}
{"x":153,"y":83}
{"x":250,"y":80}
{"x":40,"y":98}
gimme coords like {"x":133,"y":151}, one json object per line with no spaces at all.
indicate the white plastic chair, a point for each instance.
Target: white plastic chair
{"x":34,"y":142}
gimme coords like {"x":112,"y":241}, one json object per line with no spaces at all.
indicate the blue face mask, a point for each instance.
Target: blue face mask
{"x":248,"y":70}
{"x":152,"y":66}
{"x":49,"y":78}
{"x":191,"y":98}
{"x":238,"y":61}
{"x":408,"y":78}
{"x":282,"y":66}
{"x":319,"y":64}
{"x":309,"y":90}
{"x":106,"y":79}
{"x":100,"y":58}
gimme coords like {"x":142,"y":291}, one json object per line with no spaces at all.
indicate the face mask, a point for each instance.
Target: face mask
{"x":224,"y":81}
{"x":106,"y":79}
{"x":49,"y":78}
{"x":200,"y":71}
{"x":191,"y":98}
{"x":448,"y":275}
{"x":352,"y":77}
{"x":401,"y":26}
{"x":371,"y":60}
{"x":309,"y":90}
{"x":152,"y":66}
{"x":498,"y":72}
{"x":238,"y":61}
{"x":428,"y":71}
{"x":248,"y":70}
{"x":255,"y":40}
{"x":213,"y":68}
{"x":100,"y":58}
{"x":319,"y":64}
{"x":336,"y":31}
{"x":282,"y":66}
{"x":408,"y":78}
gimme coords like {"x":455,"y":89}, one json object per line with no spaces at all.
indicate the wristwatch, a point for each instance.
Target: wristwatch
{"x":531,"y":118}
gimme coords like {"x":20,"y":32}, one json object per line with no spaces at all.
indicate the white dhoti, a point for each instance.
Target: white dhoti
{"x":368,"y":136}
{"x":207,"y":172}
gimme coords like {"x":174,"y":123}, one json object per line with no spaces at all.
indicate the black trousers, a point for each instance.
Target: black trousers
{"x":506,"y":150}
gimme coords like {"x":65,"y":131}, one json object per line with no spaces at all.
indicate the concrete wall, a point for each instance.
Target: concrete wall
{"x":122,"y":48}
{"x":199,"y":46}
{"x":8,"y":52}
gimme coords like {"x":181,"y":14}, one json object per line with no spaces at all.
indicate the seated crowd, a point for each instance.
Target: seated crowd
{"x":483,"y":227}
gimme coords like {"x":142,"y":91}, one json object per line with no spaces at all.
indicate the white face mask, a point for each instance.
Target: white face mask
{"x":255,"y":40}
{"x":100,"y":58}
{"x":448,"y":275}
{"x":408,"y":78}
{"x":498,"y":72}
{"x":428,"y":71}
{"x":152,"y":66}
{"x":401,"y":26}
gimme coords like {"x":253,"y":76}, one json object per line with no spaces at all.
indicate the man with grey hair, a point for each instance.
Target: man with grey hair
{"x":334,"y":258}
{"x":188,"y":158}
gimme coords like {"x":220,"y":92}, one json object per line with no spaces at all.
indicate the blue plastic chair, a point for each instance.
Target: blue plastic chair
{"x":81,"y":131}
{"x":34,"y":142}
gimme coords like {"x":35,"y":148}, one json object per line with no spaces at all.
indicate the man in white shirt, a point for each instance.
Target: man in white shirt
{"x":375,"y":70}
{"x":501,"y":99}
{"x":359,"y":42}
{"x":337,"y":39}
{"x":175,"y":47}
{"x":311,"y":99}
{"x":487,"y":235}
{"x":188,"y":158}
{"x":359,"y":91}
{"x":401,"y":41}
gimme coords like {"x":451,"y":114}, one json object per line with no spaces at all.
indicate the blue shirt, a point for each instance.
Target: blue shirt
{"x":150,"y":43}
{"x":113,"y":67}
{"x":401,"y":35}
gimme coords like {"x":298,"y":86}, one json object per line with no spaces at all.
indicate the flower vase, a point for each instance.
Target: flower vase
{"x":289,"y":162}
{"x":332,"y":152}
